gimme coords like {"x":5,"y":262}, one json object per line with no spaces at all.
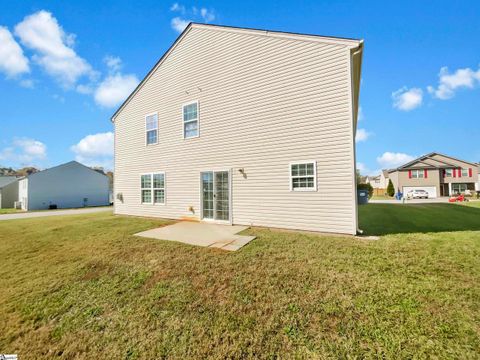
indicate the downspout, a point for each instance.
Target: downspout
{"x":355,"y":103}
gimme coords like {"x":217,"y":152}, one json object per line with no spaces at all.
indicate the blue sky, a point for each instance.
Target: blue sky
{"x":66,"y":65}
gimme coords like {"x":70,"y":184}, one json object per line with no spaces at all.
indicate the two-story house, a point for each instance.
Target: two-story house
{"x":243,"y":126}
{"x":439,"y":175}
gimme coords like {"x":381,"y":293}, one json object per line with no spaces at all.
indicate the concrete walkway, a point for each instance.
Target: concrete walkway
{"x":35,"y":214}
{"x":412,"y":201}
{"x":201,"y":234}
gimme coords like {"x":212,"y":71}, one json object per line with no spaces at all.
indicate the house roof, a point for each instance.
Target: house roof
{"x":428,"y":159}
{"x":349,"y":42}
{"x":61,"y":165}
{"x":5,"y":180}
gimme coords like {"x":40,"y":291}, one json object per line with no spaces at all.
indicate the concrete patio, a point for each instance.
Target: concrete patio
{"x":201,"y":234}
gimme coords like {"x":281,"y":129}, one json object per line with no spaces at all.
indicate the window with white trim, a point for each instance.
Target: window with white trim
{"x":418,"y":174}
{"x":153,"y":188}
{"x":151,"y":129}
{"x":465,"y":172}
{"x":448,"y":173}
{"x":303,"y":176}
{"x":190,"y":120}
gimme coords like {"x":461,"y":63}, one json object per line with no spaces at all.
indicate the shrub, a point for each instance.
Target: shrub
{"x":390,"y":188}
{"x":366,"y":187}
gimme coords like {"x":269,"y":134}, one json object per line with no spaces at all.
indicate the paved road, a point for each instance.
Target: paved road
{"x":35,"y":214}
{"x":412,"y":201}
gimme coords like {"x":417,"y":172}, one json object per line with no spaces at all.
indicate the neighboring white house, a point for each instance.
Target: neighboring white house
{"x":379,"y":181}
{"x":8,"y":191}
{"x":69,"y":185}
{"x":243,"y":126}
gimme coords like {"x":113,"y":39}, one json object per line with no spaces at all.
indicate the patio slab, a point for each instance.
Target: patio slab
{"x":201,"y":234}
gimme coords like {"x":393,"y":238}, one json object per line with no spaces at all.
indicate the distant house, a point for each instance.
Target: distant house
{"x":379,"y":181}
{"x":244,"y":126}
{"x":438,"y":174}
{"x":69,"y":185}
{"x":8,"y":191}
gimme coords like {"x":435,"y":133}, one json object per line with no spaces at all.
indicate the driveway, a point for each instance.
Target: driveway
{"x":412,"y":201}
{"x":35,"y":214}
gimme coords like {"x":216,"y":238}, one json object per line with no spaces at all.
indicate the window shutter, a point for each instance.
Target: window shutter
{"x":459,"y":172}
{"x":425,"y":173}
{"x":409,"y":174}
{"x":454,"y":172}
{"x":444,"y":173}
{"x":470,"y":173}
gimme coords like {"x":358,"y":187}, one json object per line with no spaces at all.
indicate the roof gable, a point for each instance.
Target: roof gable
{"x":347,"y":42}
{"x":434,"y":160}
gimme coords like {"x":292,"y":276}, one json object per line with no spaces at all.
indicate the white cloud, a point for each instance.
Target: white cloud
{"x":42,"y":33}
{"x":95,"y":150}
{"x":407,"y":99}
{"x":179,"y":24}
{"x":23,"y":151}
{"x":392,"y":160}
{"x":114,"y":63}
{"x":449,"y":83}
{"x":207,"y":15}
{"x":27,"y":83}
{"x":200,"y":14}
{"x":362,"y":135}
{"x":361,"y":115}
{"x":114,"y":89}
{"x":84,"y":89}
{"x":177,"y":7}
{"x":12,"y":60}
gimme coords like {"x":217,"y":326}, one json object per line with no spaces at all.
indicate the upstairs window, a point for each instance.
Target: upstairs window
{"x":190,"y":120}
{"x":153,"y":188}
{"x":465,"y":172}
{"x":418,"y":174}
{"x":303,"y":176}
{"x":448,"y":172}
{"x":151,"y":128}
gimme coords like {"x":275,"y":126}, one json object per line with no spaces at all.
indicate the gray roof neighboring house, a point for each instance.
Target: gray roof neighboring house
{"x":429,"y":162}
{"x":5,"y":180}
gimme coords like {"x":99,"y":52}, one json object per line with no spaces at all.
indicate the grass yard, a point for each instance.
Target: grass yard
{"x":9,"y":211}
{"x":83,"y":287}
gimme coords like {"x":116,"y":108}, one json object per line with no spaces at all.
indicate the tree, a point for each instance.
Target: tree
{"x":390,"y":188}
{"x":368,"y":187}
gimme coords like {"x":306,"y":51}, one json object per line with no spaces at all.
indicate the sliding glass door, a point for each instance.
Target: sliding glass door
{"x":215,"y":195}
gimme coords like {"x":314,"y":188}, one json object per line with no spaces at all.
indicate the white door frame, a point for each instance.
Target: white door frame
{"x":214,"y":170}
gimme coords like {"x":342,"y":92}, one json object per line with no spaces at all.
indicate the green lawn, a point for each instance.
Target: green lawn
{"x":9,"y":211}
{"x":83,"y":287}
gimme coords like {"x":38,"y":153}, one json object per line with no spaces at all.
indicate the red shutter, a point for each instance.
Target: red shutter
{"x":470,"y":173}
{"x":454,"y":172}
{"x":444,"y":173}
{"x":459,"y":172}
{"x":409,"y":174}
{"x":425,"y":173}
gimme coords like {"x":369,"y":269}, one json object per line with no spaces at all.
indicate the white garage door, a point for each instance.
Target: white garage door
{"x":432,"y":190}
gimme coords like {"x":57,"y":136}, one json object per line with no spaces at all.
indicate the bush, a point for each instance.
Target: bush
{"x":390,"y":188}
{"x":366,"y":187}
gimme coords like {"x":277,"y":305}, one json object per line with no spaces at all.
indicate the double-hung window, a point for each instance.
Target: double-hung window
{"x":190,"y":120}
{"x":303,"y":176}
{"x":418,"y":174}
{"x":153,"y":188}
{"x":465,"y":172}
{"x":448,"y":172}
{"x":151,"y":129}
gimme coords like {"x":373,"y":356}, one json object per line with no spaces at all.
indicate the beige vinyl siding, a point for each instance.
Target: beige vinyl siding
{"x":264,"y":102}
